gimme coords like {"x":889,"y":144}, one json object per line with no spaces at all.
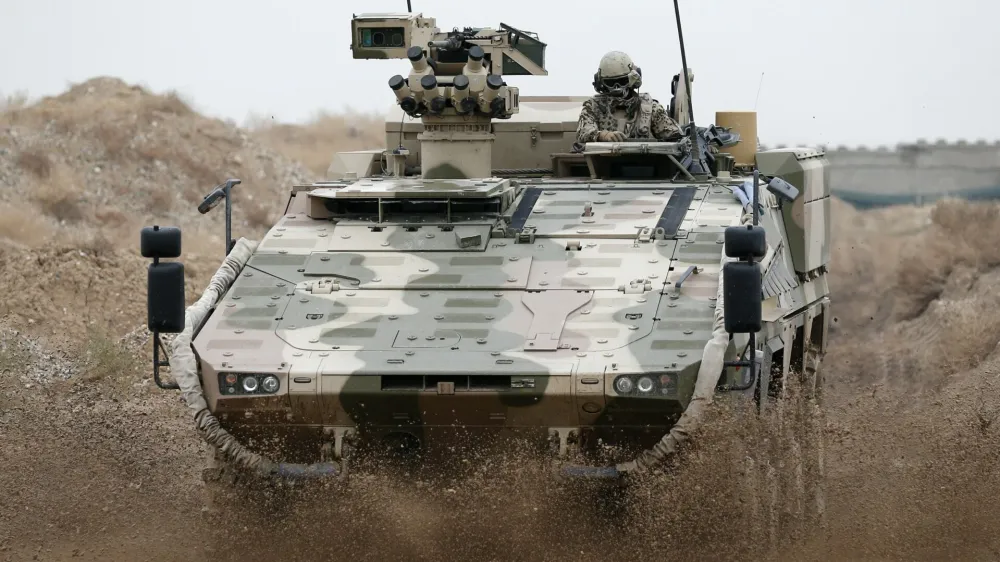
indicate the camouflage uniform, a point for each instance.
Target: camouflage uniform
{"x":598,"y":115}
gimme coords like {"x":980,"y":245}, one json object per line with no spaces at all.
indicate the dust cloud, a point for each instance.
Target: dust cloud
{"x":98,"y":464}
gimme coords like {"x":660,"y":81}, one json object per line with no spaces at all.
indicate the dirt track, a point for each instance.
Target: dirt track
{"x":98,"y":464}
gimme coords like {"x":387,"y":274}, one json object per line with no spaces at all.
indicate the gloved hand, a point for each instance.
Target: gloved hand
{"x":611,"y":136}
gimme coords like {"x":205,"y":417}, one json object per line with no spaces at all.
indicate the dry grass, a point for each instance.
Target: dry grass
{"x":314,"y":143}
{"x":108,"y":359}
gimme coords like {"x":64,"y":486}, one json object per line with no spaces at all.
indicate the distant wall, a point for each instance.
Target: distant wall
{"x":915,"y":173}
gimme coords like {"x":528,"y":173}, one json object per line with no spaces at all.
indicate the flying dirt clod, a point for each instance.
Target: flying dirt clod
{"x":489,"y":278}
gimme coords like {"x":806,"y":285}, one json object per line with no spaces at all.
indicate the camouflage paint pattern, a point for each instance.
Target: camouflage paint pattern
{"x":599,"y":114}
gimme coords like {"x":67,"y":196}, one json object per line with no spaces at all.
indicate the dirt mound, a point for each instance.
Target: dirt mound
{"x":104,"y":158}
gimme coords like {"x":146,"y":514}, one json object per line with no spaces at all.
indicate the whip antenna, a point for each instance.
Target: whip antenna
{"x":698,"y":165}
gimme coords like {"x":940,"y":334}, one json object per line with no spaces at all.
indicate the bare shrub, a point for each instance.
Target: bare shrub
{"x":36,"y":162}
{"x":106,"y":358}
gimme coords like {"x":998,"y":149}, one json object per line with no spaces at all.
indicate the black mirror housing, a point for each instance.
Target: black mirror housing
{"x":744,"y":241}
{"x":741,"y":288}
{"x":165,"y":297}
{"x":160,"y":242}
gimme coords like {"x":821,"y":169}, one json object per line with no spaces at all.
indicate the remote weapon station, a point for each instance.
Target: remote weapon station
{"x":486,"y":275}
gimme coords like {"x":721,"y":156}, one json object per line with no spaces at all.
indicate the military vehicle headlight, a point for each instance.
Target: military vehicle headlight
{"x":270,"y":384}
{"x":250,"y":383}
{"x":623,"y":385}
{"x":645,"y":385}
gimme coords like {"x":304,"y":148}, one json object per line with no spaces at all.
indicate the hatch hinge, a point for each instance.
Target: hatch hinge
{"x":526,"y":235}
{"x":636,"y":287}
{"x":644,"y":234}
{"x":323,"y":286}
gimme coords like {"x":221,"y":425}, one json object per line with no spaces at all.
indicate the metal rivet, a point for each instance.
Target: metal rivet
{"x":393,"y":317}
{"x":385,"y":243}
{"x":581,"y":272}
{"x":423,"y":270}
{"x":411,"y":338}
{"x":588,"y":221}
{"x":648,"y":211}
{"x":324,"y":354}
{"x":549,"y":192}
{"x":682,"y":354}
{"x":603,"y":192}
{"x":314,"y":340}
{"x":439,"y":317}
{"x":230,"y":305}
{"x":640,"y":300}
{"x":345,"y":236}
{"x":511,"y":279}
{"x":543,"y":283}
{"x":654,"y":261}
{"x":297,"y":354}
{"x":292,"y":327}
{"x":608,"y":354}
{"x":409,"y":353}
{"x":490,"y":317}
{"x":280,"y":285}
{"x":277,"y":236}
{"x":689,"y":332}
{"x":227,"y":354}
{"x":581,"y":354}
{"x":248,"y":274}
{"x":271,"y":305}
{"x":425,"y":294}
{"x":539,"y":211}
{"x":514,"y":258}
{"x":653,"y":276}
{"x":429,"y":235}
{"x":582,"y":231}
{"x":322,"y":235}
{"x":376,"y":279}
{"x":672,"y":305}
{"x":324,"y":258}
{"x":585,"y":312}
{"x":237,"y":331}
{"x":481,"y":340}
{"x":497,"y":294}
{"x":430,"y":338}
{"x":495,"y":353}
{"x":282,"y":251}
{"x":659,"y":192}
{"x":602,"y":340}
{"x":633,"y":327}
{"x":351,"y":293}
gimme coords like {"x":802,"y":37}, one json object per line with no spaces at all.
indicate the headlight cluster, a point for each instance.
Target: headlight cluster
{"x":646,"y":385}
{"x":248,"y":383}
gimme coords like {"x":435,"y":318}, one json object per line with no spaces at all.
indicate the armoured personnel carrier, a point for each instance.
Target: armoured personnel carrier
{"x":485,"y":275}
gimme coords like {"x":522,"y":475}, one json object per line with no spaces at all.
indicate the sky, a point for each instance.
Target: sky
{"x":852,"y":72}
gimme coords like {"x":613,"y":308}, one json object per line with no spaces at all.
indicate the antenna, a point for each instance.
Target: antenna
{"x":697,"y":165}
{"x":409,"y":8}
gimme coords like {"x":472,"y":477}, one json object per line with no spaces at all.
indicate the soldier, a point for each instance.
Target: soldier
{"x":618,"y":111}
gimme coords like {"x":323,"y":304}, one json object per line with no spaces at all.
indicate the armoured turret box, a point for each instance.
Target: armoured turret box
{"x":545,"y":125}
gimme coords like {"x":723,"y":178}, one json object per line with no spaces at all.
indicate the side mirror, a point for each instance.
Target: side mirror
{"x":741,"y":290}
{"x":165,"y":280}
{"x":743,"y":241}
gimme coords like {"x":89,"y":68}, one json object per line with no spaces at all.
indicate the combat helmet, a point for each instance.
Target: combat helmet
{"x":617,"y":75}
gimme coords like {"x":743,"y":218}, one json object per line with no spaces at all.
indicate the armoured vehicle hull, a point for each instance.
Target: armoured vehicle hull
{"x":486,"y":278}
